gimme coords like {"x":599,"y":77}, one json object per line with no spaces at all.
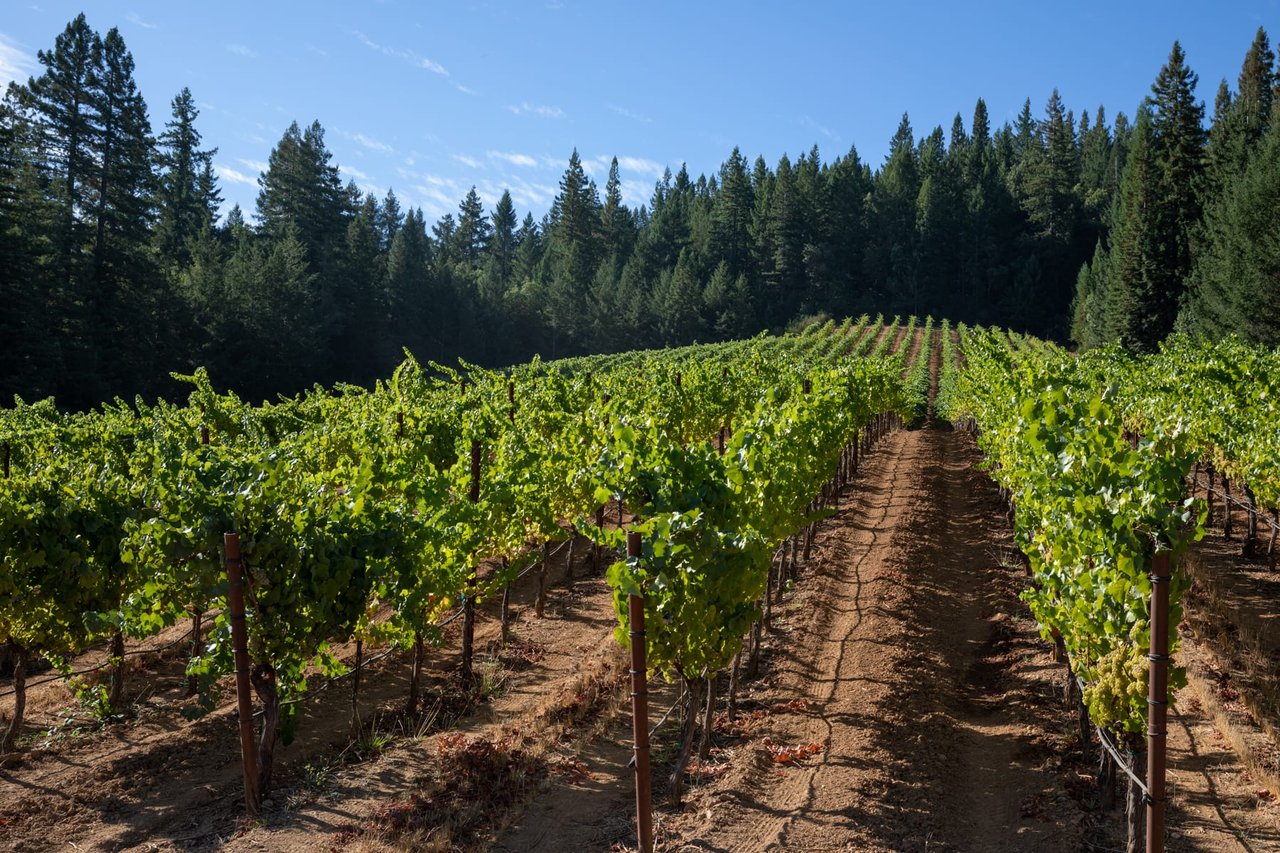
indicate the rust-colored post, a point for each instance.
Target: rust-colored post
{"x":1157,"y":701}
{"x":240,"y":647}
{"x":469,"y":604}
{"x":640,"y":711}
{"x":511,"y":399}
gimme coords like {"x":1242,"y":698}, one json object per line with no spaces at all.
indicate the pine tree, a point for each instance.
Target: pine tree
{"x":302,"y":188}
{"x":390,"y":219}
{"x":130,"y":303}
{"x":472,"y":234}
{"x":360,"y":354}
{"x":616,"y":224}
{"x":938,"y":228}
{"x":785,"y":279}
{"x":1053,"y":205}
{"x":572,"y":253}
{"x":1178,"y":142}
{"x":1238,"y":274}
{"x":1095,"y":157}
{"x":1139,"y":308}
{"x":1215,"y":303}
{"x":500,"y":253}
{"x":731,"y":216}
{"x":62,"y":99}
{"x":529,"y":250}
{"x":889,"y":263}
{"x":834,"y":257}
{"x":677,"y":304}
{"x":208,"y":193}
{"x":184,"y":202}
{"x":408,"y":286}
{"x":29,"y":358}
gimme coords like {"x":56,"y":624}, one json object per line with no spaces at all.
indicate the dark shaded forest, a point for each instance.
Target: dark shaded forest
{"x":117,"y":268}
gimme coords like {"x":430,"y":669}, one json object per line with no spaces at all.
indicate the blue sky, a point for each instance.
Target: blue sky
{"x":431,"y":98}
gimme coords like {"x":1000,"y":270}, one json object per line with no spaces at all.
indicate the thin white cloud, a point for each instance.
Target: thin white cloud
{"x":355,"y":173}
{"x":635,"y":192}
{"x":438,"y":181}
{"x":240,"y":50}
{"x":373,"y":144}
{"x":231,"y":176}
{"x":436,"y":194}
{"x":405,"y":55}
{"x":626,"y":113}
{"x":641,"y":165}
{"x":513,"y":158}
{"x":366,"y":141}
{"x":15,"y":63}
{"x":466,"y":90}
{"x":525,"y":194}
{"x":599,"y":165}
{"x":255,"y":165}
{"x":808,"y":122}
{"x":135,"y":18}
{"x":540,"y":110}
{"x":469,"y":162}
{"x":532,"y":195}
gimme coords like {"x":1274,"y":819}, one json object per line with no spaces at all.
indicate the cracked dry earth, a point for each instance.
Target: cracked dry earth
{"x":921,"y":693}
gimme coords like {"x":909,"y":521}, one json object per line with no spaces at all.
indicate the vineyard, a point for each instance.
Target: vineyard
{"x":436,"y":590}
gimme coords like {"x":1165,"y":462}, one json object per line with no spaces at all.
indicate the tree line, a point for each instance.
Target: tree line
{"x":116,"y":267}
{"x":1192,"y":238}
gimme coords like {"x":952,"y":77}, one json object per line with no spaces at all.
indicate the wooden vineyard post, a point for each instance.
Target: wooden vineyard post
{"x":640,"y":711}
{"x":469,"y":605}
{"x":1157,"y":701}
{"x":240,"y":646}
{"x":6,"y":460}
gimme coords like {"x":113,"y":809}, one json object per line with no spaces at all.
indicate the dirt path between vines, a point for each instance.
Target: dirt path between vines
{"x":914,"y":682}
{"x":159,"y":782}
{"x":931,"y":702}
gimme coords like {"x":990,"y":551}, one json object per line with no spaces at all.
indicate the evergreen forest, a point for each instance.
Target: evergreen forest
{"x":117,"y":265}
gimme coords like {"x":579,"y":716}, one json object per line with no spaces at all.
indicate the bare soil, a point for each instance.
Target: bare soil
{"x":857,"y":336}
{"x":925,"y":695}
{"x":899,"y":336}
{"x":159,"y":782}
{"x":906,"y":703}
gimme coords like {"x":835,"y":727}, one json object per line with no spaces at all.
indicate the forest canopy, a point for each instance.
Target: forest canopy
{"x":118,"y":266}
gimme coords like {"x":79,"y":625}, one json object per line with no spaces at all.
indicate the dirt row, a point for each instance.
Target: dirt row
{"x":158,"y":781}
{"x":906,"y":703}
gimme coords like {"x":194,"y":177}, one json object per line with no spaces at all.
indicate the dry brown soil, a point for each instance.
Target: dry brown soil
{"x":903,"y":661}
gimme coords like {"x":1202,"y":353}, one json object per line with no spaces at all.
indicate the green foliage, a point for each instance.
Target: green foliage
{"x":1093,"y":504}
